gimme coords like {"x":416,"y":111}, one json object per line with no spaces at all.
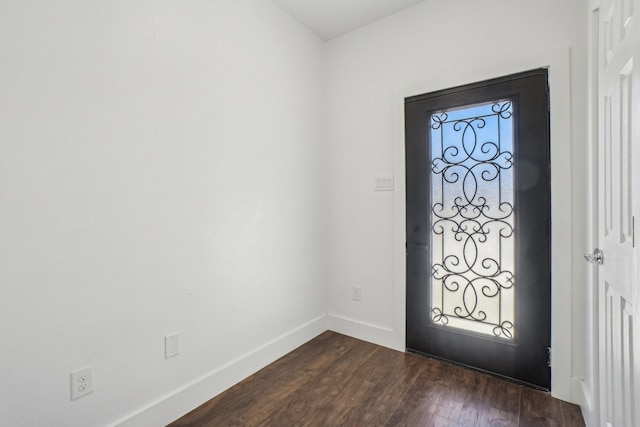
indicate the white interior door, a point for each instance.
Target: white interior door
{"x":618,"y":197}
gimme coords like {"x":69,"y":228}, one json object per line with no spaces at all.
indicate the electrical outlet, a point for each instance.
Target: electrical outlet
{"x":81,"y":382}
{"x":356,"y":293}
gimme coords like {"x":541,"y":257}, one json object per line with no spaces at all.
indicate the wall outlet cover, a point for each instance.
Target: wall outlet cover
{"x":81,"y":382}
{"x":171,"y":345}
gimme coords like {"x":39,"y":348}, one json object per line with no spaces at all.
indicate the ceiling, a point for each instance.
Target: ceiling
{"x":332,"y":18}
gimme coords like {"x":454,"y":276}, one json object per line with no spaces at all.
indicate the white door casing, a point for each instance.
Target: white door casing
{"x":618,"y":194}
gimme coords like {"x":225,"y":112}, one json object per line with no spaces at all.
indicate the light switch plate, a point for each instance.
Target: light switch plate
{"x":384,"y":183}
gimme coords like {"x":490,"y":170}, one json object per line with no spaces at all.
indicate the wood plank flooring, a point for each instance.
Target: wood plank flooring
{"x":335,"y":380}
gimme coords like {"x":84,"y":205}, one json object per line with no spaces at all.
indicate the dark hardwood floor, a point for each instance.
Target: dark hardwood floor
{"x":335,"y":380}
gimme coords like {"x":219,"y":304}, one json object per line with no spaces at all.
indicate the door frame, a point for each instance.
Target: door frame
{"x":558,"y":62}
{"x":591,"y":403}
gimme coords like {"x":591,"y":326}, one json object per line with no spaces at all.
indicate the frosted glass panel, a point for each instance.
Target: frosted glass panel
{"x":472,"y":240}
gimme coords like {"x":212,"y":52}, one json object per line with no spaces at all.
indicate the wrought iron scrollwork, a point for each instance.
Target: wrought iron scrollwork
{"x":472,"y":216}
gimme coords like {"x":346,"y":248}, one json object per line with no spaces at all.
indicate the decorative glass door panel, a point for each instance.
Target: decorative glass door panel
{"x":472,"y":221}
{"x":478,"y":226}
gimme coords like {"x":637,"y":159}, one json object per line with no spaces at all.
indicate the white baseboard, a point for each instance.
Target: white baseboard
{"x":380,"y":335}
{"x":582,"y":397}
{"x":183,"y":400}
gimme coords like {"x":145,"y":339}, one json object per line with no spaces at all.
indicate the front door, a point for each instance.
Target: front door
{"x":478,"y":226}
{"x":618,"y":197}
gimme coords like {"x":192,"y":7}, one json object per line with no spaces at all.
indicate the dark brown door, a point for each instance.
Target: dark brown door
{"x":478,"y":226}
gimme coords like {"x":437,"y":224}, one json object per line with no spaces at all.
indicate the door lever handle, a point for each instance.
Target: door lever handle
{"x":597,"y":257}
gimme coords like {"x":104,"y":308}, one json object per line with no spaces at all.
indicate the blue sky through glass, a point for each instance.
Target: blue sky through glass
{"x":472,"y":221}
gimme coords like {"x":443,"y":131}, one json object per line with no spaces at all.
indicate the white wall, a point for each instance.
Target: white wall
{"x":161,"y":169}
{"x":435,"y":45}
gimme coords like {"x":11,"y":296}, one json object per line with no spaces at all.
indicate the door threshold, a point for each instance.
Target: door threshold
{"x":472,"y":368}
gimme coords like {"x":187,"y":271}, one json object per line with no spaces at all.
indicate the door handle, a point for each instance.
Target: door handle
{"x":597,"y":257}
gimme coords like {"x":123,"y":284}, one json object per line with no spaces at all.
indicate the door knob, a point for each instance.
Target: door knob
{"x":597,"y":257}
